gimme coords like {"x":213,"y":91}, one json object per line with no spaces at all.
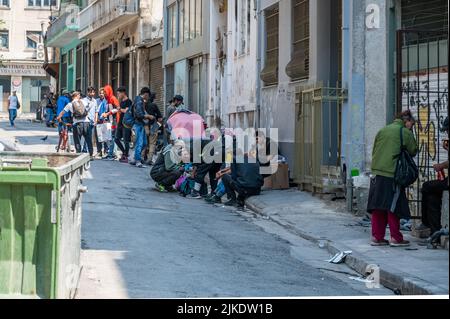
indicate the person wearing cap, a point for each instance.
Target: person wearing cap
{"x":178,"y":102}
{"x":432,"y":192}
{"x":382,"y":203}
{"x":61,"y":103}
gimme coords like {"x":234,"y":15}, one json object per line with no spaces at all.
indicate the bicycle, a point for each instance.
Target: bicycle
{"x":64,"y":138}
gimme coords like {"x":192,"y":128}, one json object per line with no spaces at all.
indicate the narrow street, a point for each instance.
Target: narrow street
{"x":138,"y":243}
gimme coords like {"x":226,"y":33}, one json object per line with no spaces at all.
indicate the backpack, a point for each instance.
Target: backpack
{"x":186,"y":187}
{"x":406,"y":171}
{"x":128,"y":118}
{"x":79,"y":110}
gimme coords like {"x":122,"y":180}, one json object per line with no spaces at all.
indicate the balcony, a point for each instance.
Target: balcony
{"x":97,"y":16}
{"x":63,"y":30}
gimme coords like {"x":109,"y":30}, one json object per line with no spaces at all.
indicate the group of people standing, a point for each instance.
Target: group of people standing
{"x":85,"y":114}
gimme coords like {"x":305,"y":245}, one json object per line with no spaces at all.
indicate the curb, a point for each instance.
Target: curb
{"x":393,"y":279}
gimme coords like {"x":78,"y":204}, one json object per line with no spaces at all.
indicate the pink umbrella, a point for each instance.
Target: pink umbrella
{"x":186,"y":125}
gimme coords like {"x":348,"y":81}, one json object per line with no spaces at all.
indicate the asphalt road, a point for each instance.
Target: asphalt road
{"x":138,"y":243}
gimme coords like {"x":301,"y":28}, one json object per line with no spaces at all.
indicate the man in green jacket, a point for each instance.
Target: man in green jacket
{"x":387,"y":202}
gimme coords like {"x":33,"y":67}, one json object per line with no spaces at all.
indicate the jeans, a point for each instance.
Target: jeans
{"x":80,"y":130}
{"x":91,"y":132}
{"x":220,"y":190}
{"x":380,"y":219}
{"x":12,"y":116}
{"x":49,"y":115}
{"x":141,"y":141}
{"x":111,"y":145}
{"x":432,"y":203}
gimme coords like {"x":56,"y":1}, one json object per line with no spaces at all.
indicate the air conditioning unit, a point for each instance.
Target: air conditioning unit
{"x":40,"y":51}
{"x":113,"y":50}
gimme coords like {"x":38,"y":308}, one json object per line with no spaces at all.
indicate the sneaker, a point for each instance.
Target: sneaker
{"x":231,"y":202}
{"x":241,"y":203}
{"x":140,"y":165}
{"x":213,"y":200}
{"x":378,"y":243}
{"x":160,"y":188}
{"x":194,"y":195}
{"x":148,"y":162}
{"x":123,"y":159}
{"x":404,"y":243}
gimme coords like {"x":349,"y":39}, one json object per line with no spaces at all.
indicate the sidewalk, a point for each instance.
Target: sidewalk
{"x":415,"y":270}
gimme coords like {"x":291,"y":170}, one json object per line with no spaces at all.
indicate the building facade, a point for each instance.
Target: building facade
{"x":395,"y":58}
{"x":115,"y":42}
{"x":233,"y":73}
{"x":22,"y":27}
{"x":71,"y":61}
{"x":186,"y":52}
{"x":333,"y":73}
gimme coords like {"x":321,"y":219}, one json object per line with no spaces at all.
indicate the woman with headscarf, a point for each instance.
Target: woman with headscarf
{"x":387,"y":201}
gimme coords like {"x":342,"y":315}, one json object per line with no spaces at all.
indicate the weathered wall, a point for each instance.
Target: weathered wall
{"x":376,"y":76}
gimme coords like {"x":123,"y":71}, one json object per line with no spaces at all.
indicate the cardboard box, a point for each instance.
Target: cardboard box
{"x":279,"y":180}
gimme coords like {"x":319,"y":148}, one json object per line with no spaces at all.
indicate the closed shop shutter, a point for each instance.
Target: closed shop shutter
{"x":425,"y":15}
{"x":157,"y":82}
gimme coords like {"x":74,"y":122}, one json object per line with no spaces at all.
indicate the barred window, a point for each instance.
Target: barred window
{"x":298,"y":67}
{"x":269,"y":74}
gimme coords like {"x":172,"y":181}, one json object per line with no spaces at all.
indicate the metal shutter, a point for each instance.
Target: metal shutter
{"x":157,"y":82}
{"x":425,"y":15}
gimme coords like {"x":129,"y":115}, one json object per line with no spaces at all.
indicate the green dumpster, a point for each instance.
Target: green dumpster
{"x":40,"y":224}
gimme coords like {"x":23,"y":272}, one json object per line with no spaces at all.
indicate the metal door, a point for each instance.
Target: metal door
{"x":422,"y":87}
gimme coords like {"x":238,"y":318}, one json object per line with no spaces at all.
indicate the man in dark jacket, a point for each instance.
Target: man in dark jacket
{"x":432,"y":192}
{"x":245,"y":180}
{"x":152,"y":128}
{"x":140,"y":118}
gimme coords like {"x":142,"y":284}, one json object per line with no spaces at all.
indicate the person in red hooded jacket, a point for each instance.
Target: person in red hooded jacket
{"x":113,"y":106}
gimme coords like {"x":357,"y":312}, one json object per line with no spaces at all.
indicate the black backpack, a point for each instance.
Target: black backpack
{"x":406,"y":171}
{"x":79,"y":110}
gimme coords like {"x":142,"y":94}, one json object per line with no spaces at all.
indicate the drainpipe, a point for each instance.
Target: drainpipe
{"x":257,"y":5}
{"x":346,"y":112}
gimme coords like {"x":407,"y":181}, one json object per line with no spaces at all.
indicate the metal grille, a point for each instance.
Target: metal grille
{"x":318,"y":138}
{"x":422,"y":87}
{"x":157,"y":82}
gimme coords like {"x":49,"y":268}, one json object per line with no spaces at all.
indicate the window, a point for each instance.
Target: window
{"x":181,"y":14}
{"x":4,"y":3}
{"x":63,"y":83}
{"x":298,"y":67}
{"x":70,"y":57}
{"x":269,"y":74}
{"x":184,"y":21}
{"x":4,"y":39}
{"x":198,"y":18}
{"x":172,"y":23}
{"x":41,"y":3}
{"x":242,"y":27}
{"x":78,"y":68}
{"x":242,"y":13}
{"x":185,"y":8}
{"x":33,"y":38}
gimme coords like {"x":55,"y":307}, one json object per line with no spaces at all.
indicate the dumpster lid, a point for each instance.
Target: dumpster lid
{"x":63,"y":163}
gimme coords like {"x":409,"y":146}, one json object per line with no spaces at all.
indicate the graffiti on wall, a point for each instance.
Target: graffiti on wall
{"x":426,"y":95}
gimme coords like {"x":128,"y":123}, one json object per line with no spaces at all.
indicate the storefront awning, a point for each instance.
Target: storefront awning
{"x":52,"y":69}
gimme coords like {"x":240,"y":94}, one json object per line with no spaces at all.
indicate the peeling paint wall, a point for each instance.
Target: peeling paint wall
{"x":232,"y":72}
